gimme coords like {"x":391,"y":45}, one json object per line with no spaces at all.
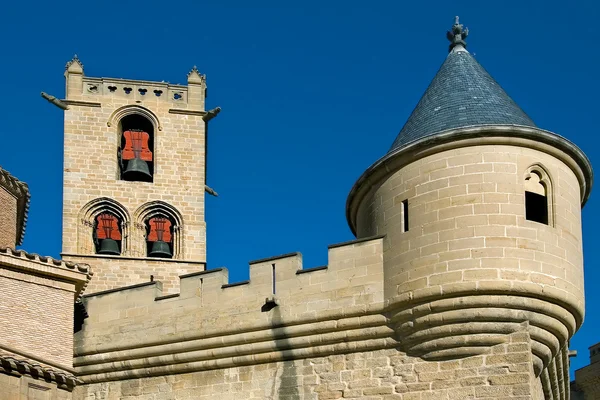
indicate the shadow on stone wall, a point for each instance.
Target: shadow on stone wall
{"x":288,"y":387}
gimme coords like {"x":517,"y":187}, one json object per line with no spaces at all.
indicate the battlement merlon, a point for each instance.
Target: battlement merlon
{"x":83,"y":90}
{"x":350,"y":286}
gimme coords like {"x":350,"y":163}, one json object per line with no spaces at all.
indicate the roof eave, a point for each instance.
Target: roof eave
{"x":463,"y":137}
{"x":21,"y":192}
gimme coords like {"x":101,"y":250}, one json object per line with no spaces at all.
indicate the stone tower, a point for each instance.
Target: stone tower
{"x":481,"y":212}
{"x":134,"y":178}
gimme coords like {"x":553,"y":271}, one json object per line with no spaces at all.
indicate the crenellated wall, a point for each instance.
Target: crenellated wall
{"x":328,"y":337}
{"x":140,"y":331}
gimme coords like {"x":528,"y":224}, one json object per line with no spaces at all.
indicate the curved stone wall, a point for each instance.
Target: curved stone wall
{"x":471,"y":268}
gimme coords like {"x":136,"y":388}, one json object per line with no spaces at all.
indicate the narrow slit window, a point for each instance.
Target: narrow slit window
{"x":405,"y":215}
{"x":536,"y":199}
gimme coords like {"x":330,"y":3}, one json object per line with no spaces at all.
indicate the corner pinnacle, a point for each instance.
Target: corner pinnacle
{"x":75,"y":65}
{"x":457,"y":35}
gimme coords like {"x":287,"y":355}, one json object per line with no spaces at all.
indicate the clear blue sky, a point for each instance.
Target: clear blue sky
{"x":312,"y":93}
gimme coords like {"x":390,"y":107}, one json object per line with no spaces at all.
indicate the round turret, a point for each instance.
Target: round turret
{"x":481,"y":212}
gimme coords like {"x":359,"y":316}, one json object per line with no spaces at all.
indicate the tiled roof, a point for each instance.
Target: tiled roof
{"x":461,"y":94}
{"x":21,"y":191}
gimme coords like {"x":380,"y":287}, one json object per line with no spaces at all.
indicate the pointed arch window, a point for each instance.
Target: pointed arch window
{"x":107,"y":234}
{"x":538,"y":196}
{"x":136,"y":156}
{"x":103,"y":219}
{"x":163,"y":230}
{"x":159,"y":237}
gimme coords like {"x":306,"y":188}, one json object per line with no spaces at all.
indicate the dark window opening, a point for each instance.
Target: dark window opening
{"x":107,"y":234}
{"x":159,"y":237}
{"x":136,"y":155}
{"x":536,"y":207}
{"x":405,"y":215}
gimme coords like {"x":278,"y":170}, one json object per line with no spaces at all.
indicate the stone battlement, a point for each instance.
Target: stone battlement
{"x":211,"y":321}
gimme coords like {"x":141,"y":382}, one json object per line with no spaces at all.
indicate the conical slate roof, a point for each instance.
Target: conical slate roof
{"x":461,"y":94}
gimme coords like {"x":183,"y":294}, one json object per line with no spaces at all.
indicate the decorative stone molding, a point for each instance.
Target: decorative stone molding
{"x":15,"y":365}
{"x":523,"y":136}
{"x":538,"y":180}
{"x":156,"y":208}
{"x":87,"y":215}
{"x":121,"y":112}
{"x":194,"y":76}
{"x":30,"y":261}
{"x":74,"y":65}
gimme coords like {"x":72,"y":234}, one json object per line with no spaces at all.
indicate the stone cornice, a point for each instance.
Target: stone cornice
{"x":512,"y":135}
{"x":269,"y":344}
{"x":187,"y":112}
{"x":78,"y":274}
{"x":21,"y":192}
{"x":152,"y":259}
{"x":81,"y":103}
{"x":18,"y":363}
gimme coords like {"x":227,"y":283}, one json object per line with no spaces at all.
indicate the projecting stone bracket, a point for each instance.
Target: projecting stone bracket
{"x":57,"y":102}
{"x":270,"y":303}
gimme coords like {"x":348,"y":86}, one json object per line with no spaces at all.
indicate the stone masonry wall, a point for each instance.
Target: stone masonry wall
{"x":471,"y":266}
{"x":8,"y":219}
{"x":505,"y":372}
{"x":587,"y":381}
{"x":23,"y":387}
{"x":315,"y":302}
{"x":36,"y":316}
{"x":467,"y":225}
{"x":327,"y":338}
{"x":91,"y":141}
{"x":120,"y":271}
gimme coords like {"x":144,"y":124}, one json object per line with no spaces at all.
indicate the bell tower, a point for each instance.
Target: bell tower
{"x":134,"y":177}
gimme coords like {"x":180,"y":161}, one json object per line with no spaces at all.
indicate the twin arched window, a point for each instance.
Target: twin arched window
{"x":107,"y":229}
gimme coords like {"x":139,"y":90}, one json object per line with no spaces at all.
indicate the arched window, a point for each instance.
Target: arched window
{"x":107,"y":234}
{"x":136,"y":155}
{"x":162,"y":228}
{"x":100,"y":220}
{"x":538,"y":196}
{"x":159,"y":236}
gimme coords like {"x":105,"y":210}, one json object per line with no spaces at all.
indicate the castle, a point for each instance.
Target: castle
{"x":465,"y":280}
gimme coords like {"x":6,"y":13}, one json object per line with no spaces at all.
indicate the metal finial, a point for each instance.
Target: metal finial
{"x":457,"y":35}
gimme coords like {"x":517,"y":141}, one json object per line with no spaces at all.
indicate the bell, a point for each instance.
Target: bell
{"x":137,"y":170}
{"x":160,"y":249}
{"x":109,"y":246}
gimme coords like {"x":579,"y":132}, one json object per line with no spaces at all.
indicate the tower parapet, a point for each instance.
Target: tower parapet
{"x":481,"y":212}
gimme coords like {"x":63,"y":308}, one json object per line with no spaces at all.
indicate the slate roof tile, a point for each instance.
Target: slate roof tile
{"x":461,"y":94}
